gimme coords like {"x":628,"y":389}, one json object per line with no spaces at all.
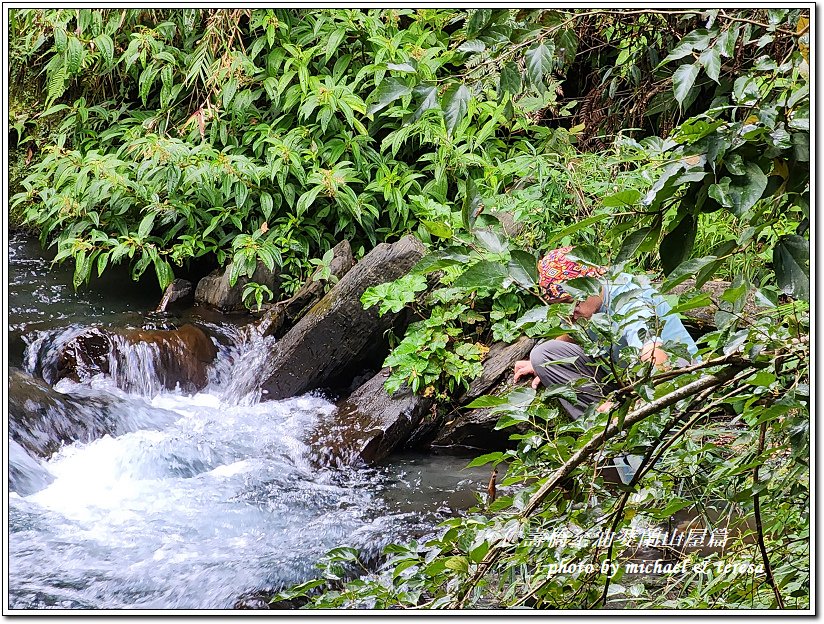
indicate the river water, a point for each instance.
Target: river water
{"x":188,"y":500}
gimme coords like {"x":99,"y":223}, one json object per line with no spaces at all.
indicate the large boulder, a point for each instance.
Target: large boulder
{"x":215,"y":291}
{"x":336,"y":337}
{"x":177,"y":357}
{"x":41,"y":420}
{"x":368,"y":425}
{"x":498,"y":363}
{"x":281,"y":316}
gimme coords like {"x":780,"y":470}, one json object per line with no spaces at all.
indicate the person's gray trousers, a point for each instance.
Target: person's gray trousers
{"x":589,"y":393}
{"x":563,"y":372}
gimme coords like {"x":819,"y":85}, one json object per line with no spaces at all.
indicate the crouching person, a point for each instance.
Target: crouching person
{"x":640,"y":318}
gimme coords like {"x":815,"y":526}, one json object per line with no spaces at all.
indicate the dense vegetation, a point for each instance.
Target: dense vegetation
{"x":674,"y":142}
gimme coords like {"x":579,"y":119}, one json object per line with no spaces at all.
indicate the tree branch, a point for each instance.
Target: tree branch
{"x":756,"y":499}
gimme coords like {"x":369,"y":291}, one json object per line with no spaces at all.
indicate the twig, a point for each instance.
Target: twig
{"x":756,"y":499}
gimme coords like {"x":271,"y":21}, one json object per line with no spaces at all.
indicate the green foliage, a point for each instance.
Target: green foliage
{"x":257,"y":293}
{"x":263,"y":136}
{"x":220,"y":121}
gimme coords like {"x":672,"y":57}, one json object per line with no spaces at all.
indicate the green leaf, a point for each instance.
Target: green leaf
{"x":458,"y":564}
{"x":791,"y":259}
{"x":742,"y":191}
{"x":472,"y":47}
{"x":523,"y":269}
{"x":405,"y":68}
{"x":145,"y":227}
{"x":477,"y":20}
{"x":632,"y":244}
{"x":483,"y":275}
{"x":479,"y":552}
{"x":74,"y":56}
{"x":455,"y":103}
{"x":696,"y":40}
{"x":745,"y":91}
{"x":472,"y":201}
{"x":489,"y":457}
{"x":677,"y":245}
{"x":307,"y":199}
{"x":686,"y":270}
{"x":437,"y":228}
{"x":682,"y":81}
{"x":621,"y":199}
{"x":510,"y":79}
{"x":701,"y":300}
{"x":429,"y":99}
{"x":57,"y":83}
{"x":579,"y":225}
{"x":266,"y":204}
{"x":726,"y":42}
{"x":535,"y":315}
{"x":104,"y":44}
{"x":229,"y":90}
{"x":539,"y":64}
{"x":389,"y":90}
{"x":489,"y":240}
{"x":82,"y":269}
{"x":165,"y":274}
{"x":711,"y":60}
{"x":334,"y":42}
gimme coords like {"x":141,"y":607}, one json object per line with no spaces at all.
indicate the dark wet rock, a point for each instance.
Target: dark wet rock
{"x":474,"y":429}
{"x":180,"y":356}
{"x":41,"y":419}
{"x":368,"y":425}
{"x":337,"y":338}
{"x":284,"y":314}
{"x":257,"y":601}
{"x":180,"y":290}
{"x":214,"y":289}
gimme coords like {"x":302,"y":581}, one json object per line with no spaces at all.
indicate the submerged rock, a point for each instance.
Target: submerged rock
{"x":337,"y":336}
{"x":215,"y":291}
{"x":136,"y":359}
{"x":368,"y":425}
{"x":42,"y":419}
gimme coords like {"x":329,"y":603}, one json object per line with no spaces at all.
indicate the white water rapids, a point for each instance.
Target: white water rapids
{"x":216,"y":501}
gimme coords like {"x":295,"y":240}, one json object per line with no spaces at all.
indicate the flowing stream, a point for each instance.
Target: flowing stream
{"x":176,"y":500}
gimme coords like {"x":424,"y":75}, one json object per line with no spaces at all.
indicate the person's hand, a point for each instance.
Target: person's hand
{"x":605,"y":407}
{"x":523,"y":368}
{"x":659,"y":357}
